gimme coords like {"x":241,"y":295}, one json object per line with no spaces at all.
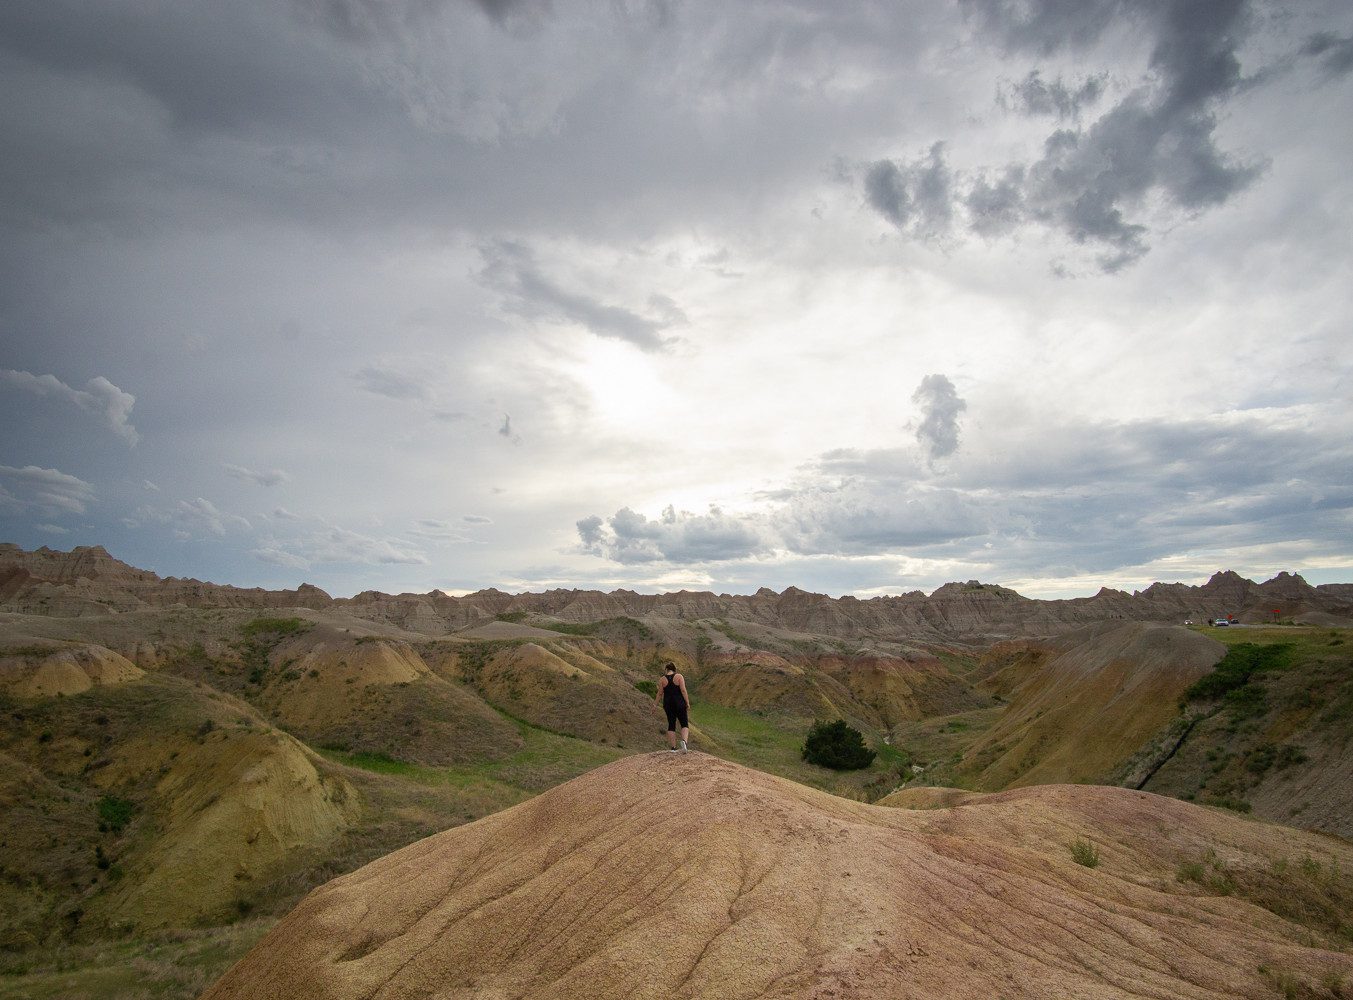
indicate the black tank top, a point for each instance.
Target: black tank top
{"x":671,"y":694}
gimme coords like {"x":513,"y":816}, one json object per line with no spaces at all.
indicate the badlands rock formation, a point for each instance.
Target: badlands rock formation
{"x":1082,"y":704}
{"x":48,"y":671}
{"x":684,"y":876}
{"x":89,"y":580}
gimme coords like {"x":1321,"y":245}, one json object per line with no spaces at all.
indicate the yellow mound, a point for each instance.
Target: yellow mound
{"x":237,"y":808}
{"x":1084,"y":707}
{"x":929,"y":797}
{"x":664,"y":876}
{"x":567,"y":691}
{"x":761,"y":681}
{"x":380,"y":696}
{"x":64,"y":672}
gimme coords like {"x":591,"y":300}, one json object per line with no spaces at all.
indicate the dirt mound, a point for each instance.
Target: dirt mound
{"x":765,"y":682}
{"x":44,"y":671}
{"x":561,"y":689}
{"x":1086,"y":703}
{"x":493,"y":631}
{"x":378,"y":695}
{"x":929,"y":797}
{"x":152,"y":803}
{"x":663,"y":876}
{"x":897,"y":688}
{"x":233,"y":811}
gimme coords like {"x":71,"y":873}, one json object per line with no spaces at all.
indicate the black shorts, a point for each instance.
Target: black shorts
{"x":675,"y":715}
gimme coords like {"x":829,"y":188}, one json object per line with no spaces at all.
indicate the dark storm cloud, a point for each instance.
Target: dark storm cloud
{"x":1035,"y":96}
{"x":207,"y":66}
{"x":511,"y":270}
{"x":940,"y":407}
{"x":917,"y":196}
{"x":1157,"y":140}
{"x":995,"y":205}
{"x":362,"y":20}
{"x":1335,"y":53}
{"x":1042,"y":27}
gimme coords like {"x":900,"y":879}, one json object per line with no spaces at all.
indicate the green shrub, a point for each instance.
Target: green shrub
{"x":1084,"y":853}
{"x":1234,"y":670}
{"x":115,"y":813}
{"x":276,"y":626}
{"x":649,"y":688}
{"x":838,"y":746}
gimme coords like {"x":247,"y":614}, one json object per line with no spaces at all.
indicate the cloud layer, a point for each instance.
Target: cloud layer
{"x":862,"y":295}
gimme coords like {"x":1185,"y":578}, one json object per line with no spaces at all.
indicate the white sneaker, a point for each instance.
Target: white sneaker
{"x":671,"y":749}
{"x":683,"y":746}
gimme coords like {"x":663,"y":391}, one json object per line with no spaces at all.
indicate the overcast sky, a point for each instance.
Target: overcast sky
{"x":856,"y":297}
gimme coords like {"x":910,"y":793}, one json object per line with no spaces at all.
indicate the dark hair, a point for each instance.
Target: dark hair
{"x":671,"y":667}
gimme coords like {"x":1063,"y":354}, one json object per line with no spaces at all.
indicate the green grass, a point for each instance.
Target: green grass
{"x":775,"y":745}
{"x":174,"y":966}
{"x":1084,"y":853}
{"x":276,"y":626}
{"x":545,"y":760}
{"x":1232,"y":674}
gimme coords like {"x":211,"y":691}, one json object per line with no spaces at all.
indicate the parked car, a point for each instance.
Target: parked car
{"x":1188,"y":621}
{"x":1220,"y":622}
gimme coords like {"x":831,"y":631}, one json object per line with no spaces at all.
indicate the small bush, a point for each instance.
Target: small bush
{"x":649,"y":688}
{"x":276,"y":626}
{"x":1191,"y":871}
{"x":838,"y":746}
{"x":115,"y":813}
{"x":1084,"y":853}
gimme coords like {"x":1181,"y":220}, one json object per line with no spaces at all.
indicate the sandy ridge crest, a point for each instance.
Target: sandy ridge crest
{"x":670,"y":876}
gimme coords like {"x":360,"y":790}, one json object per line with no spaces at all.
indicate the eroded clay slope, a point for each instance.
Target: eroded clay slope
{"x":686,"y":876}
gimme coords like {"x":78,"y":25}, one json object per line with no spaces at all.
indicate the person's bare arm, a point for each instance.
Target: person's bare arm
{"x":657,"y":697}
{"x":681,"y":683}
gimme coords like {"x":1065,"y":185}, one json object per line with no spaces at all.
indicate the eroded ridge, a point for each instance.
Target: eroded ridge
{"x":687,"y":876}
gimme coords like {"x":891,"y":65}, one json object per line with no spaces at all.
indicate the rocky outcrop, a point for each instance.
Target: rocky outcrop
{"x":89,"y":581}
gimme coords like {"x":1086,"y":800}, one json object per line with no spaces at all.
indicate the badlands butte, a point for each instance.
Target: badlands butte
{"x":210,"y":790}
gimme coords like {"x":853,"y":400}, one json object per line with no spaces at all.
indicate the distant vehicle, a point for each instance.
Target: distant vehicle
{"x":1188,"y":621}
{"x":1221,"y":622}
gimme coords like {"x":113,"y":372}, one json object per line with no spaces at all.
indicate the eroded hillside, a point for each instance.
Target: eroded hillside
{"x":666,"y":876}
{"x":177,"y":777}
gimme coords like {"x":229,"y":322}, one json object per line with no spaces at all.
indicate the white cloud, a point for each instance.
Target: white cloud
{"x":339,"y":545}
{"x":443,"y":530}
{"x":99,"y":398}
{"x":204,"y":515}
{"x":46,"y":492}
{"x":269,"y":477}
{"x":279,"y":557}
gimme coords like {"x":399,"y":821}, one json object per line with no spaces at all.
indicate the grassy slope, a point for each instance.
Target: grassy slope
{"x":1277,"y":744}
{"x":404,"y":802}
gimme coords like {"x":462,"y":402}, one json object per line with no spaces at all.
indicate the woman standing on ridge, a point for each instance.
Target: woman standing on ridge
{"x":676,"y":702}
